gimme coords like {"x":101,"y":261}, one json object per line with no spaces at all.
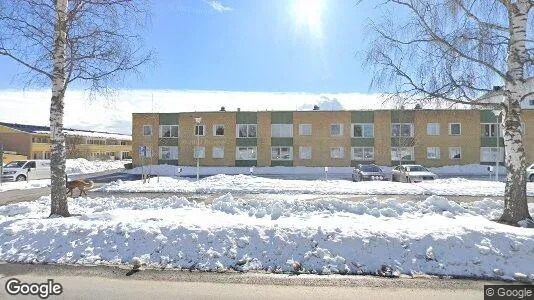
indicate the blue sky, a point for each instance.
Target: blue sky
{"x":250,"y":45}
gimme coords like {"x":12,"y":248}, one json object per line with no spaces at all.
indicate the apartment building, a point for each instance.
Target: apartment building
{"x":34,"y":142}
{"x":322,"y":138}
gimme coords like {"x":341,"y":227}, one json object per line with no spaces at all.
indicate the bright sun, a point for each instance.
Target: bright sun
{"x":308,"y":13}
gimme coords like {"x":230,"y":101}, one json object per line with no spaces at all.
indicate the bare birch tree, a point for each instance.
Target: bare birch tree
{"x":456,"y":50}
{"x":90,"y":43}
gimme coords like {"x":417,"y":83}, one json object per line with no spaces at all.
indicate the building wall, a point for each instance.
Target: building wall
{"x":14,"y":140}
{"x":321,"y":141}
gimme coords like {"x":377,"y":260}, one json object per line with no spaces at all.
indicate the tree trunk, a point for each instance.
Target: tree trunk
{"x":515,"y":195}
{"x":59,"y":204}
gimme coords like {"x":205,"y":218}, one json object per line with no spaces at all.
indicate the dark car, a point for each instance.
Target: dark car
{"x":367,"y":172}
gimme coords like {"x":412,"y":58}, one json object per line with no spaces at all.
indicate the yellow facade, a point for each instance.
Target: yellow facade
{"x":321,"y":141}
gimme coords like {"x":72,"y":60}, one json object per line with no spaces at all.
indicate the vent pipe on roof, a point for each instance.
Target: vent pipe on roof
{"x":223,"y":108}
{"x":417,"y":106}
{"x":238,"y":109}
{"x":316,"y":107}
{"x":497,"y":88}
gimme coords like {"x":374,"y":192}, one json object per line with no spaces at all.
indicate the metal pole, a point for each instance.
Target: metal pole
{"x":197,"y":154}
{"x":1,"y":163}
{"x":498,"y":153}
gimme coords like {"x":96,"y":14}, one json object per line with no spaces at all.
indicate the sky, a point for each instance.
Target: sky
{"x":253,"y":47}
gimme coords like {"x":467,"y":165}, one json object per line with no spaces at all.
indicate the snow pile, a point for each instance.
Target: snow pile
{"x":23,"y":185}
{"x":322,"y":236}
{"x":84,"y":166}
{"x":257,"y":185}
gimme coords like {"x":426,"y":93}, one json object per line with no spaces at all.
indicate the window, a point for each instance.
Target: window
{"x":402,"y":154}
{"x":147,"y":130}
{"x":433,"y":153}
{"x":218,"y":152}
{"x":432,"y":128}
{"x":402,"y":130}
{"x":246,"y":153}
{"x":363,"y":153}
{"x":336,"y":129}
{"x":218,"y":130}
{"x":305,"y":129}
{"x":489,"y":130}
{"x":281,"y":153}
{"x":455,"y":153}
{"x":337,"y":152}
{"x":364,"y":130}
{"x":199,"y":152}
{"x":40,"y":140}
{"x":531,"y":102}
{"x":305,"y":152}
{"x":168,"y":152}
{"x":491,"y":154}
{"x":455,"y":129}
{"x":168,"y":131}
{"x":148,"y":152}
{"x":200,"y":130}
{"x":281,"y":130}
{"x":246,"y":130}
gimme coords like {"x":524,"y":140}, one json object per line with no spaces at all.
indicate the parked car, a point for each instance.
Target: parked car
{"x":20,"y":170}
{"x":530,"y":173}
{"x":367,"y":172}
{"x":411,"y":173}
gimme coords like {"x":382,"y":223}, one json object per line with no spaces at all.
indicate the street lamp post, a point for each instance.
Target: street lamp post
{"x":197,"y":132}
{"x":497,"y":113}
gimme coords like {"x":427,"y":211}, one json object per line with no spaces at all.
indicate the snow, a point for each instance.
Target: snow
{"x":325,"y":235}
{"x":94,"y":134}
{"x":84,"y":166}
{"x":257,"y":185}
{"x":169,"y":170}
{"x":23,"y":185}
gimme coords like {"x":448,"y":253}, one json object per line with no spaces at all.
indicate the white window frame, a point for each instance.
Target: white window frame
{"x":433,"y":129}
{"x":215,"y":129}
{"x":173,"y":154}
{"x":497,"y":127}
{"x":363,"y":149}
{"x":452,"y":151}
{"x":301,"y":131}
{"x":148,"y":152}
{"x":401,"y":150}
{"x":531,"y":102}
{"x":248,"y":129}
{"x":450,"y":129}
{"x":342,"y":152}
{"x":302,"y":150}
{"x":144,"y":132}
{"x":253,"y":148}
{"x":340,"y":129}
{"x":198,"y":126}
{"x":199,"y":150}
{"x":491,"y":150}
{"x":170,"y":131}
{"x":215,"y":150}
{"x":372,"y":125}
{"x":276,"y":130}
{"x":412,"y":130}
{"x":279,"y":149}
{"x":435,"y":150}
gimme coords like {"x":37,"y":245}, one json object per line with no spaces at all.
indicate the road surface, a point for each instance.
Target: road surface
{"x":113,"y":283}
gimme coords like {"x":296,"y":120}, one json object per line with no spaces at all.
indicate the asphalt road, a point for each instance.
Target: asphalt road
{"x":113,"y":283}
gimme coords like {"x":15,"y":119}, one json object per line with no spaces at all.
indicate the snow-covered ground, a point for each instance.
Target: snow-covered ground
{"x":84,"y":166}
{"x":318,"y":172}
{"x":254,"y":184}
{"x":77,"y":166}
{"x":324,"y":236}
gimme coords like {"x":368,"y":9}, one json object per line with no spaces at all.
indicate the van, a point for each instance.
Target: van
{"x":21,"y":170}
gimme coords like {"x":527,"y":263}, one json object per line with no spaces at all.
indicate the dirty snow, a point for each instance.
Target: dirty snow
{"x":323,"y":236}
{"x":84,"y":166}
{"x":254,"y":184}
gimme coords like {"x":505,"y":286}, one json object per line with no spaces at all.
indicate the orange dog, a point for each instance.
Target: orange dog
{"x":80,"y":185}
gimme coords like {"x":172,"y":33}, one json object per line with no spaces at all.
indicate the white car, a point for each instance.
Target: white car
{"x":21,"y":170}
{"x":411,"y":173}
{"x":530,"y":173}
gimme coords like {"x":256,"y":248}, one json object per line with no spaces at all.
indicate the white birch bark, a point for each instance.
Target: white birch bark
{"x":59,"y":205}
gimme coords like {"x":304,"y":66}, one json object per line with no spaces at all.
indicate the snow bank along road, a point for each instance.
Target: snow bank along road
{"x":110,"y":283}
{"x":275,"y":235}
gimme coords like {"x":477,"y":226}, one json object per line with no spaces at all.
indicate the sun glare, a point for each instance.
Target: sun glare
{"x":308,"y":14}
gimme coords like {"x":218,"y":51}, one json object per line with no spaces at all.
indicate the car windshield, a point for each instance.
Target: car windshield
{"x":15,"y":164}
{"x":416,"y":169}
{"x":370,"y":168}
